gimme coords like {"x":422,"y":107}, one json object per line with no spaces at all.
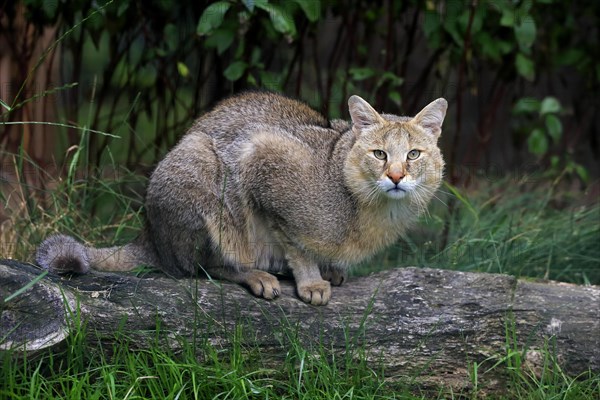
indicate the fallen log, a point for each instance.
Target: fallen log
{"x":410,"y":320}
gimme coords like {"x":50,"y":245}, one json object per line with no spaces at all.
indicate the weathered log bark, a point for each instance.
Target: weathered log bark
{"x":410,"y":320}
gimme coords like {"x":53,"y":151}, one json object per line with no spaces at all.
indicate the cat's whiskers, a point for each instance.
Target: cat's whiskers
{"x":440,"y":200}
{"x":420,"y":198}
{"x":444,"y":192}
{"x":368,"y":192}
{"x":373,"y":194}
{"x":432,"y":192}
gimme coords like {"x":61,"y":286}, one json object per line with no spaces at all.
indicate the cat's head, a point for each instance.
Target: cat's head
{"x":395,"y":157}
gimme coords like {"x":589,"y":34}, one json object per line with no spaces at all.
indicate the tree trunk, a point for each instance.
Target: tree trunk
{"x":428,"y":322}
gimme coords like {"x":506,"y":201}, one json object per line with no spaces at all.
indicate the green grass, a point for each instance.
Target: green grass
{"x":88,"y":369}
{"x":233,"y":369}
{"x":533,"y":229}
{"x":528,"y":229}
{"x":94,"y":206}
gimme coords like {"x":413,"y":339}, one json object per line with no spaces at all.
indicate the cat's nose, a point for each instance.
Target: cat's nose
{"x":396,"y":177}
{"x":395,"y":173}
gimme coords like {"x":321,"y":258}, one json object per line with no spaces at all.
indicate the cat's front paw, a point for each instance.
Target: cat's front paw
{"x":263,"y":284}
{"x":316,"y":293}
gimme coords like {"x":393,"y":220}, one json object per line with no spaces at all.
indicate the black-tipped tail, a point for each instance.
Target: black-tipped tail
{"x":62,"y":254}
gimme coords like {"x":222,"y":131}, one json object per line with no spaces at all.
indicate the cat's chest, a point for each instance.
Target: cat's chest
{"x":369,"y":232}
{"x":375,"y":230}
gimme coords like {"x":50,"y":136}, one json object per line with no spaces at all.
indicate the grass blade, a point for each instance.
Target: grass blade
{"x":27,"y":286}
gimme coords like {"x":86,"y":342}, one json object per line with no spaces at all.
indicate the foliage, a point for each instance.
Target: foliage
{"x":146,"y":72}
{"x":540,"y":121}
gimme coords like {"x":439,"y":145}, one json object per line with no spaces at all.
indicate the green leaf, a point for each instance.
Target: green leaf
{"x":124,"y":7}
{"x":50,"y":7}
{"x":183,"y":69}
{"x":524,"y":8}
{"x":249,"y":4}
{"x":221,"y":39}
{"x":235,"y":70}
{"x":464,"y":19}
{"x":255,"y":58}
{"x":252,"y":80}
{"x":508,"y":17}
{"x":525,"y":32}
{"x":554,"y":162}
{"x":537,"y":142}
{"x":395,"y":97}
{"x":171,"y":36}
{"x":212,"y":17}
{"x":505,"y":46}
{"x":311,"y":8}
{"x":431,"y":23}
{"x":477,"y":23}
{"x":489,"y":46}
{"x":582,"y":172}
{"x":394,"y":79}
{"x":96,"y":23}
{"x":160,"y":52}
{"x":554,"y":127}
{"x":550,"y":105}
{"x":282,"y":22}
{"x":571,"y":56}
{"x":452,"y":30}
{"x":145,"y":76}
{"x":526,"y":105}
{"x":360,"y":74}
{"x":525,"y":67}
{"x":271,"y":80}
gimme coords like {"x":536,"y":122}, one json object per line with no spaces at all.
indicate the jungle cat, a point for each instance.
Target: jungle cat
{"x":264,"y":184}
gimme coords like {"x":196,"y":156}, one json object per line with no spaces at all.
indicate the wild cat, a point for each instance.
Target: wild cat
{"x":264,"y":184}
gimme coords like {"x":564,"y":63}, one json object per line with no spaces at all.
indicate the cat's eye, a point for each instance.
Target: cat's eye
{"x":379,"y":154}
{"x":413,"y":154}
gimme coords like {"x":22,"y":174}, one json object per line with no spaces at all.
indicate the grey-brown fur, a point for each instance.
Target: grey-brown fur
{"x":262,"y":183}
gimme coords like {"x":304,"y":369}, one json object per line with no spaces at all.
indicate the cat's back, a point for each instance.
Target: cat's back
{"x":271,"y":119}
{"x":239,"y":113}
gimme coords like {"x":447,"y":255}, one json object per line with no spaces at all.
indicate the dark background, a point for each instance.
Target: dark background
{"x":522,"y":78}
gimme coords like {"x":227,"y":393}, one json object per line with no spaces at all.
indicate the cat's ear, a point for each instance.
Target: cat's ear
{"x":363,"y":115}
{"x":432,"y":116}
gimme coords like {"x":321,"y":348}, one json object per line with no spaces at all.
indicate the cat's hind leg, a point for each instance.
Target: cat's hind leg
{"x":334,"y":274}
{"x":236,"y":256}
{"x":261,"y":283}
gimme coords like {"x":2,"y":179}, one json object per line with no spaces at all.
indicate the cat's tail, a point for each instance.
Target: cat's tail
{"x":62,"y":254}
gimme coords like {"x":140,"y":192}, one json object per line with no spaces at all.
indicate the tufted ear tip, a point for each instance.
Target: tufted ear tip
{"x":432,"y":116}
{"x":354,"y":99}
{"x":363,"y":115}
{"x":442,"y":102}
